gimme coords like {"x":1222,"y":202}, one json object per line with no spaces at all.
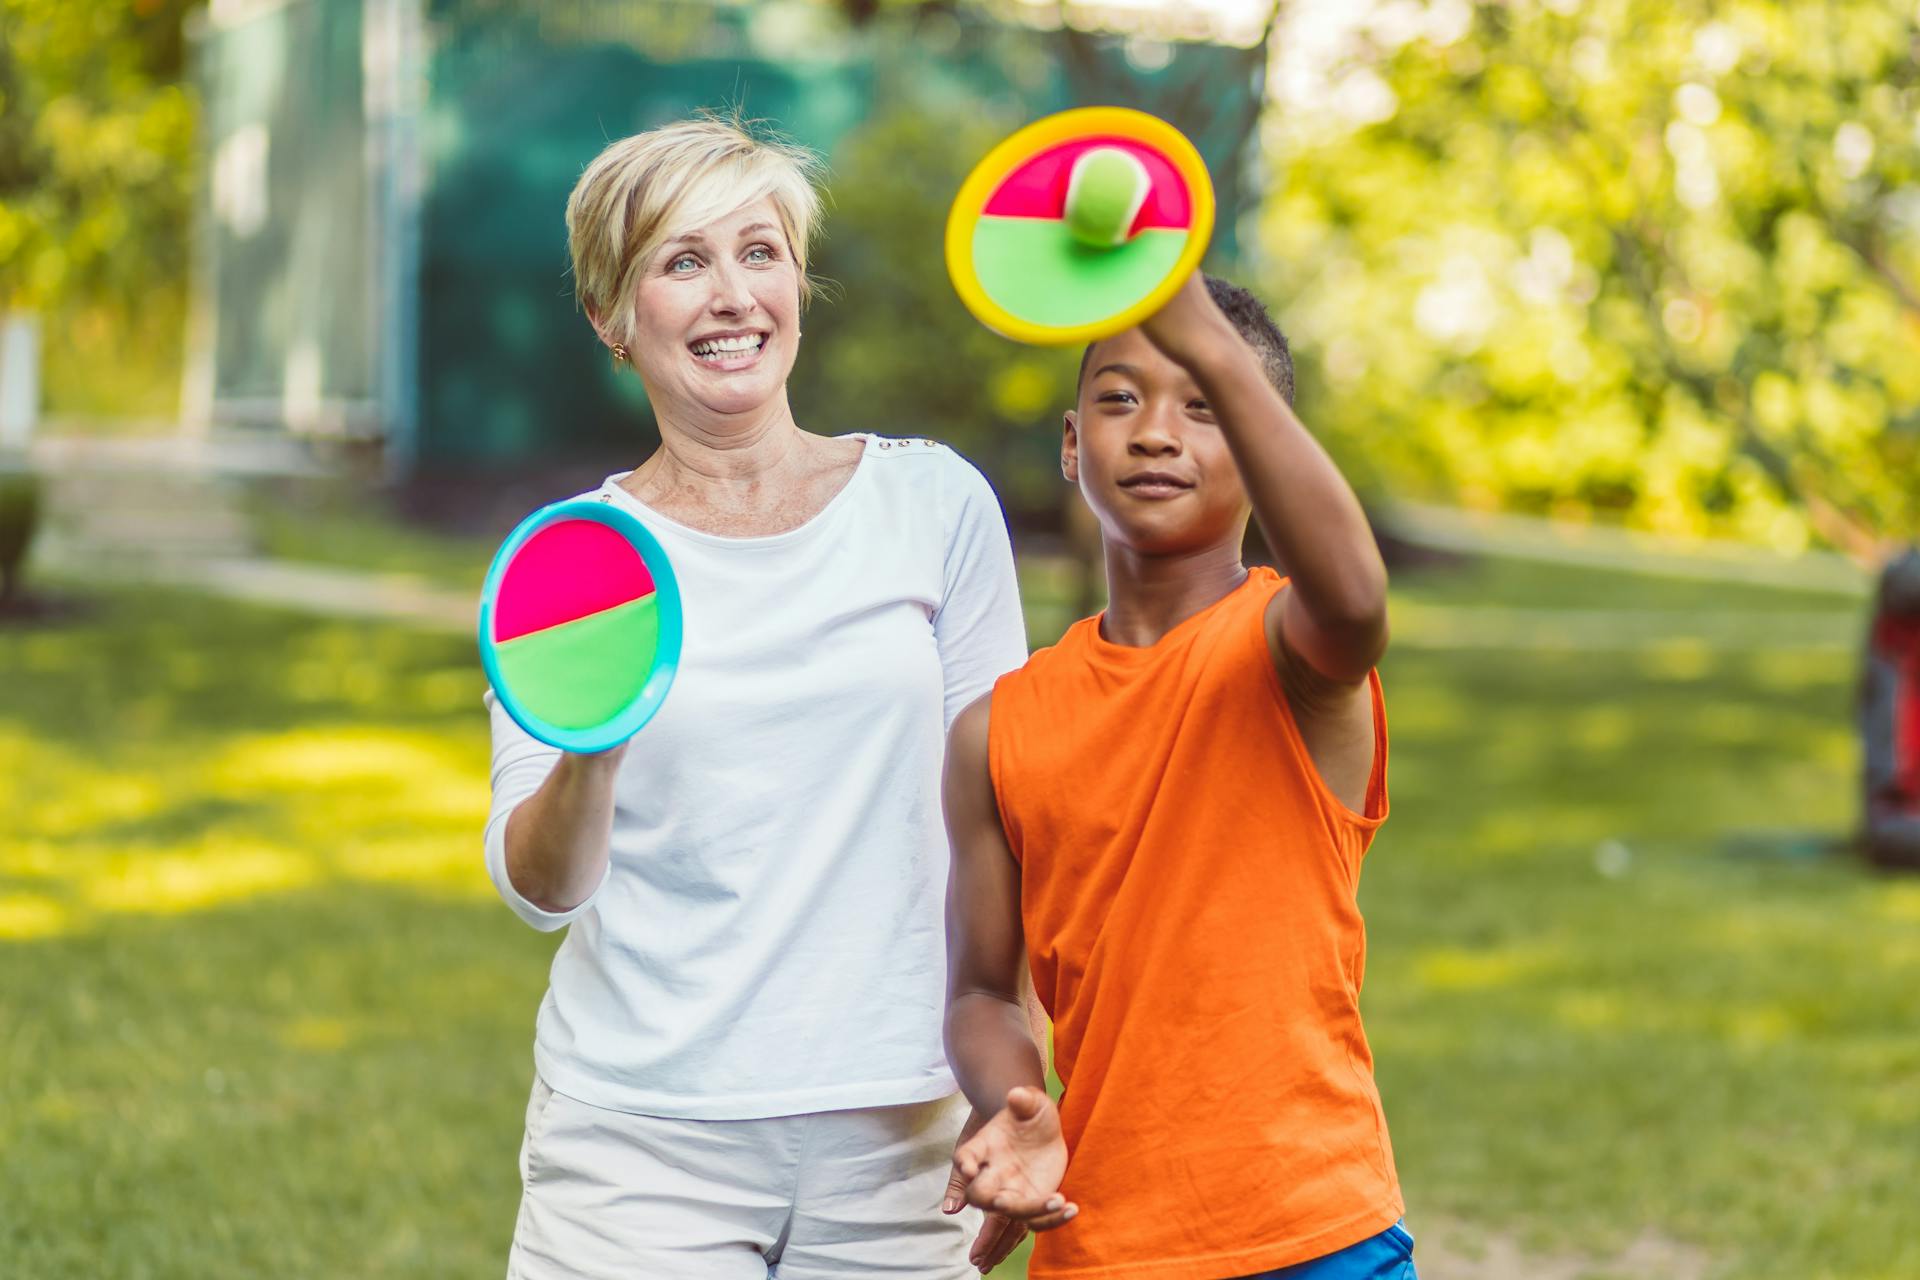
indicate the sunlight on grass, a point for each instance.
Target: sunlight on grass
{"x":1592,"y":1010}
{"x":264,"y":814}
{"x":191,"y":879}
{"x":25,"y":916}
{"x":1678,"y":660}
{"x":1901,"y":902}
{"x":1602,"y":729}
{"x":387,"y":774}
{"x":1459,"y":969}
{"x":314,"y":1034}
{"x":275,"y":755}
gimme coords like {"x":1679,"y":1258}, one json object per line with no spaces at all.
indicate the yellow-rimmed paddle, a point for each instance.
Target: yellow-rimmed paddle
{"x":1080,"y":225}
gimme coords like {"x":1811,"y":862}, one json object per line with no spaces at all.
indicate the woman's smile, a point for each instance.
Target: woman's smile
{"x":730,"y":350}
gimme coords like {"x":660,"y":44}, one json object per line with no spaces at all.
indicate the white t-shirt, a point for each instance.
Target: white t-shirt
{"x":769,"y":939}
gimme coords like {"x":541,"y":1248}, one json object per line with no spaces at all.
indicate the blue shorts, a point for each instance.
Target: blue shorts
{"x":1387,"y":1256}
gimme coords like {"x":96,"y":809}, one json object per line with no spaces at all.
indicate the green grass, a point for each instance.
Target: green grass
{"x":1538,"y":585}
{"x":355,"y":533}
{"x":264,"y":1017}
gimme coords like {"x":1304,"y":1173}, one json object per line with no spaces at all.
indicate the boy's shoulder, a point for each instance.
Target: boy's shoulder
{"x":1239,"y":615}
{"x":1064,"y":656}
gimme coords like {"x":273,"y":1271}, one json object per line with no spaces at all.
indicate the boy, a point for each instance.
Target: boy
{"x":1164,"y":815}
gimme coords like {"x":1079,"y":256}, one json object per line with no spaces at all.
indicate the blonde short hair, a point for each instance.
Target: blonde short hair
{"x":643,"y":190}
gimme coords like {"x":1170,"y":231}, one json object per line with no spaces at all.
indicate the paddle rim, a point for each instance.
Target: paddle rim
{"x":1022,"y":145}
{"x":666,"y":654}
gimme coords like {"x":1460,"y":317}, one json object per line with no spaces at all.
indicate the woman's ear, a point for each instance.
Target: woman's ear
{"x":605,"y":334}
{"x":1070,"y":447}
{"x":599,"y":326}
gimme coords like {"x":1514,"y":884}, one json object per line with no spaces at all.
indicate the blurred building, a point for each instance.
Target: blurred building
{"x":381,"y":254}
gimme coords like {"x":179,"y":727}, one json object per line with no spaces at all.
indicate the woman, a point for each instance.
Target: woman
{"x":738,"y":1061}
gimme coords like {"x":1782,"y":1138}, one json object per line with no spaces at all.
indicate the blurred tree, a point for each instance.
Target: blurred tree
{"x":1658,"y":260}
{"x":96,"y":131}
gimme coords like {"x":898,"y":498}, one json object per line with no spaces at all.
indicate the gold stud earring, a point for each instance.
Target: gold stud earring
{"x":619,"y":350}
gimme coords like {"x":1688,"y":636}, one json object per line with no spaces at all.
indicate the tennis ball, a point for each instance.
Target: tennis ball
{"x":1105,"y":190}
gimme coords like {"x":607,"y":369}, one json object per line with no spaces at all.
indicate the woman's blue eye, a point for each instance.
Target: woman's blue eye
{"x":683,"y":260}
{"x":760,"y":253}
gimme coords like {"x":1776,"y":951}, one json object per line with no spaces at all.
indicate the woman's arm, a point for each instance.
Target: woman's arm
{"x":978,"y":628}
{"x":548,"y":825}
{"x":557,"y":838}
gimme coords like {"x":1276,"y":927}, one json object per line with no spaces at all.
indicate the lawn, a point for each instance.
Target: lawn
{"x":264,"y":1017}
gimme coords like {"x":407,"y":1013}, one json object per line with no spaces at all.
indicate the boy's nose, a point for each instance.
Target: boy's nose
{"x":1153,"y":438}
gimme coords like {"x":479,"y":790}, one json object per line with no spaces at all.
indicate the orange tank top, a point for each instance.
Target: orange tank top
{"x":1187,"y":886}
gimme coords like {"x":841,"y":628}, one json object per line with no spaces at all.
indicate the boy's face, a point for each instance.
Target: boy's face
{"x":1149,"y":459}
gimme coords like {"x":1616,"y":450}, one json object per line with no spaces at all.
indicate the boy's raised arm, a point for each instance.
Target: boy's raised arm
{"x":1014,"y":1163}
{"x":1334,"y":617}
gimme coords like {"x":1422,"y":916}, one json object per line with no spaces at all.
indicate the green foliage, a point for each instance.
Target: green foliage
{"x":1658,"y":261}
{"x":95,"y":131}
{"x":113,"y":364}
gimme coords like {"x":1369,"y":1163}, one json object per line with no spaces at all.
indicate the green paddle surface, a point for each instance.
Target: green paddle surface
{"x":583,"y":673}
{"x":1038,"y":270}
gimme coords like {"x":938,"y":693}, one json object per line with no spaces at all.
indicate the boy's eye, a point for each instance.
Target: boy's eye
{"x":1199,"y":406}
{"x":1115,"y":397}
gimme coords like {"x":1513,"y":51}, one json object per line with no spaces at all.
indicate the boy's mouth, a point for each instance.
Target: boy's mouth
{"x":1155,"y":484}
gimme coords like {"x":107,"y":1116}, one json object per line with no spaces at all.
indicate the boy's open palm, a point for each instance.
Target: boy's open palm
{"x":1014,"y":1165}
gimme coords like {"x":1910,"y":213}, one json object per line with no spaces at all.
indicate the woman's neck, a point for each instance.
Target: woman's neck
{"x":724,"y":452}
{"x":749,"y":479}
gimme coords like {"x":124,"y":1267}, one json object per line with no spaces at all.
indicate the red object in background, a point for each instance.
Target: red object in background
{"x":1896,"y":641}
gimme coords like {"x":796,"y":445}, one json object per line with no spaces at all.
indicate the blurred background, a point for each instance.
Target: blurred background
{"x":1611,"y":310}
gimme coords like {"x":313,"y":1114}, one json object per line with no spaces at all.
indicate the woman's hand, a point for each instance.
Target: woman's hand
{"x":1015,"y":1163}
{"x":608,"y":760}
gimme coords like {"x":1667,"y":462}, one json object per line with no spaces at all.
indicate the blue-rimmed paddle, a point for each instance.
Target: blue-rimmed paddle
{"x":580,"y":625}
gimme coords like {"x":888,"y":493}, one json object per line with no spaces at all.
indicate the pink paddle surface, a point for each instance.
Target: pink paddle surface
{"x":1038,"y":188}
{"x":567,"y":571}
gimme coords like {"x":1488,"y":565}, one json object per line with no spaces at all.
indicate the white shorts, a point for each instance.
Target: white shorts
{"x":825,"y":1196}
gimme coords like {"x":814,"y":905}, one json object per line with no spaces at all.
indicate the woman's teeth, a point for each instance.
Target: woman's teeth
{"x":728,"y":346}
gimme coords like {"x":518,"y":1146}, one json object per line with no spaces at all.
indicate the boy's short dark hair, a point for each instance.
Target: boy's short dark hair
{"x":1249,"y":316}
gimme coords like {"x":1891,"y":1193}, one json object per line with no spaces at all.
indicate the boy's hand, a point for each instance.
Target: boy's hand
{"x":1014,"y":1165}
{"x":1191,"y":325}
{"x":999,"y":1235}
